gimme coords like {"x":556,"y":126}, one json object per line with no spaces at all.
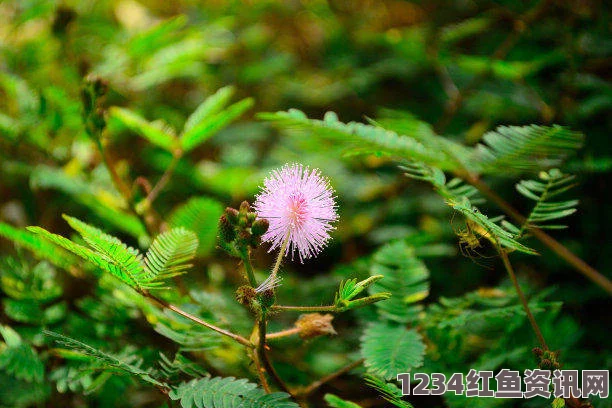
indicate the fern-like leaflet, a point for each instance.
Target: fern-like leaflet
{"x":166,"y":257}
{"x":170,"y":252}
{"x":128,"y":364}
{"x":389,"y":391}
{"x":512,"y":149}
{"x":389,"y":349}
{"x":552,"y":184}
{"x":228,"y":392}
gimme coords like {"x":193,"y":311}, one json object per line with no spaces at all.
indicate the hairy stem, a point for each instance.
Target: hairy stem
{"x":199,"y":321}
{"x":304,"y":308}
{"x":280,"y":256}
{"x":504,"y":256}
{"x":248,"y":267}
{"x":316,"y":384}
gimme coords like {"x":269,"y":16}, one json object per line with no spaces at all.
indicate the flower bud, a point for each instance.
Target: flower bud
{"x":251,"y":217}
{"x":227,"y":233}
{"x":315,"y":324}
{"x":267,"y":299}
{"x":246,"y":295}
{"x":245,"y":207}
{"x":232,"y":215}
{"x":260,"y":227}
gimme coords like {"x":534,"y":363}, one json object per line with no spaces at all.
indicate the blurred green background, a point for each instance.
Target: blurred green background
{"x":463,"y":66}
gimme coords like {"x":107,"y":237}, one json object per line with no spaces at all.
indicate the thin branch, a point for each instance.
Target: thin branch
{"x":304,"y":308}
{"x":165,"y":178}
{"x":316,"y":384}
{"x":504,"y":256}
{"x":199,"y":321}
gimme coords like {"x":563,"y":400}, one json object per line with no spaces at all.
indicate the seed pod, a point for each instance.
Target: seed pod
{"x":314,"y":325}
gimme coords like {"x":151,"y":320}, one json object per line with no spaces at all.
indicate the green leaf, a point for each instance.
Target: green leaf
{"x":336,"y":402}
{"x":169,"y":254}
{"x":148,"y":130}
{"x":489,"y":229}
{"x":130,"y":364}
{"x":209,"y":120}
{"x":389,"y":391}
{"x":358,"y":137}
{"x":113,"y":257}
{"x":516,"y":149}
{"x":405,"y":278}
{"x":227,"y":393}
{"x":107,"y":204}
{"x":128,"y":261}
{"x":552,"y":184}
{"x":211,"y":106}
{"x":39,"y":246}
{"x":390,"y":349}
{"x":200,"y":215}
{"x":350,"y":288}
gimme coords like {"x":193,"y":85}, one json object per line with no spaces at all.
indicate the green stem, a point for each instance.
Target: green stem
{"x":534,"y":324}
{"x":248,"y":267}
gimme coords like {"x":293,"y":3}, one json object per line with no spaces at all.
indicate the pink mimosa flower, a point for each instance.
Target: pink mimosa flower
{"x":300,"y":206}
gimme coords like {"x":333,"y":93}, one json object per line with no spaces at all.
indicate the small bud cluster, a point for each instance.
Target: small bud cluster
{"x":546,"y":359}
{"x":240,"y":228}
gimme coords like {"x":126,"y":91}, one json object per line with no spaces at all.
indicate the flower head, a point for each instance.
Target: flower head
{"x":300,"y":207}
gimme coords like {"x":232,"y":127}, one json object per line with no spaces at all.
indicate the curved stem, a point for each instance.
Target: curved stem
{"x":280,"y":256}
